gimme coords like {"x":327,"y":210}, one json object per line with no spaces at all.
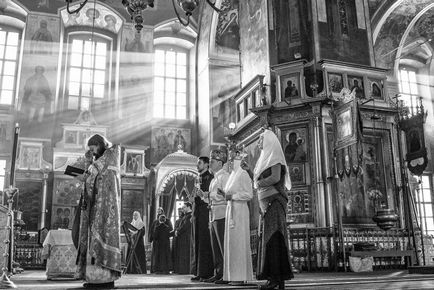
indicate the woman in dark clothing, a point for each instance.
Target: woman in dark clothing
{"x":138,"y":231}
{"x":271,"y":179}
{"x":160,"y":237}
{"x":181,"y":264}
{"x":175,"y":239}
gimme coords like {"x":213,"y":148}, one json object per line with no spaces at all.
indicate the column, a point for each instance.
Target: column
{"x":44,"y":199}
{"x":319,"y":181}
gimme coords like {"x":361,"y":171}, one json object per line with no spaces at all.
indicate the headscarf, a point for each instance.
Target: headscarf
{"x":271,"y":154}
{"x":138,"y":223}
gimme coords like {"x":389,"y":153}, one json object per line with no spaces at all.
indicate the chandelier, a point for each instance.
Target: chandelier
{"x":135,"y":9}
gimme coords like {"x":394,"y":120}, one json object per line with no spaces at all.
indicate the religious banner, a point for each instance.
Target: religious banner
{"x":347,"y":124}
{"x":416,"y":156}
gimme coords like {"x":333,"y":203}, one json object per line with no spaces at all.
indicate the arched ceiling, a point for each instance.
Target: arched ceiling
{"x":402,"y":31}
{"x":162,"y":12}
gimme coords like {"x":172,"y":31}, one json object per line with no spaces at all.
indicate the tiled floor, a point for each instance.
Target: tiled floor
{"x":35,"y":280}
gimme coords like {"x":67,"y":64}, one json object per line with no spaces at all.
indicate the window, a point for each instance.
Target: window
{"x":9,"y":41}
{"x":2,"y":173}
{"x":170,"y":84}
{"x":425,"y":205}
{"x":87,"y":72}
{"x":408,"y":89}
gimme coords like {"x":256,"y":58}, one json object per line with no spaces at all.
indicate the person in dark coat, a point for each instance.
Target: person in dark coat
{"x":182,"y":245}
{"x":202,"y":263}
{"x":173,"y":234}
{"x":161,"y":261}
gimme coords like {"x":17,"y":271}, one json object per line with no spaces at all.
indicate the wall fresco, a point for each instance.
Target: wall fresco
{"x":340,"y":37}
{"x":254,"y":40}
{"x":225,"y":83}
{"x":392,"y":30}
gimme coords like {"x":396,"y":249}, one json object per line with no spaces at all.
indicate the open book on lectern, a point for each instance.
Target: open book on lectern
{"x":73,"y":171}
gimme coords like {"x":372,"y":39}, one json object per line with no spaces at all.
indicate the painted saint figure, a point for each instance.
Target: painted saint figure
{"x":37,"y":94}
{"x":136,"y":44}
{"x":110,"y":21}
{"x":179,"y":140}
{"x":291,"y":91}
{"x":41,"y":39}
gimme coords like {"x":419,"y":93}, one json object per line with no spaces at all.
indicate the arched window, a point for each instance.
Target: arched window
{"x":87,"y":70}
{"x":171,"y":83}
{"x":408,"y":88}
{"x":9,"y":53}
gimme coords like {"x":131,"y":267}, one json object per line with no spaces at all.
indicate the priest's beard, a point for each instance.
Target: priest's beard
{"x":99,"y":152}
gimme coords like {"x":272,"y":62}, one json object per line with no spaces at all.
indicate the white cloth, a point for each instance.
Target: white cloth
{"x":60,"y":253}
{"x":138,"y":223}
{"x":58,"y":237}
{"x":271,"y":154}
{"x":237,"y":252}
{"x":218,"y":202}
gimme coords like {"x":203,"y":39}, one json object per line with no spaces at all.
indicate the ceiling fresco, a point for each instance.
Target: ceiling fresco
{"x":374,"y":5}
{"x":162,"y":11}
{"x":423,"y":27}
{"x":393,"y":29}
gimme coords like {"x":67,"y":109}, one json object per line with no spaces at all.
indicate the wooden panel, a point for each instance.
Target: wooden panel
{"x":132,"y":200}
{"x":29,"y":202}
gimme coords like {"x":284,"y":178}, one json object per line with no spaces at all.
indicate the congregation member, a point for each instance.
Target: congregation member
{"x":218,"y":158}
{"x":272,"y":181}
{"x":237,"y":259}
{"x":175,"y":237}
{"x":161,"y":261}
{"x":182,"y":243}
{"x":202,"y":266}
{"x":138,"y":232}
{"x":99,"y":253}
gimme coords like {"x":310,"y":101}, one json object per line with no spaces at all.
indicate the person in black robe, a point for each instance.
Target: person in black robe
{"x":174,"y":235}
{"x":161,"y":262}
{"x":202,"y":263}
{"x":182,"y":245}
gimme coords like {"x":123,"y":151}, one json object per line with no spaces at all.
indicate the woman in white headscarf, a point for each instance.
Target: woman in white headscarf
{"x":139,"y":250}
{"x":137,"y":221}
{"x":271,"y":179}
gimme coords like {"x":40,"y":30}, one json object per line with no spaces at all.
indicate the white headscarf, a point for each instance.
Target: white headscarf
{"x":271,"y":154}
{"x":138,"y":223}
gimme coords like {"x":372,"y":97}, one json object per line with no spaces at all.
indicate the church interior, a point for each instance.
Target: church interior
{"x":346,"y":85}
